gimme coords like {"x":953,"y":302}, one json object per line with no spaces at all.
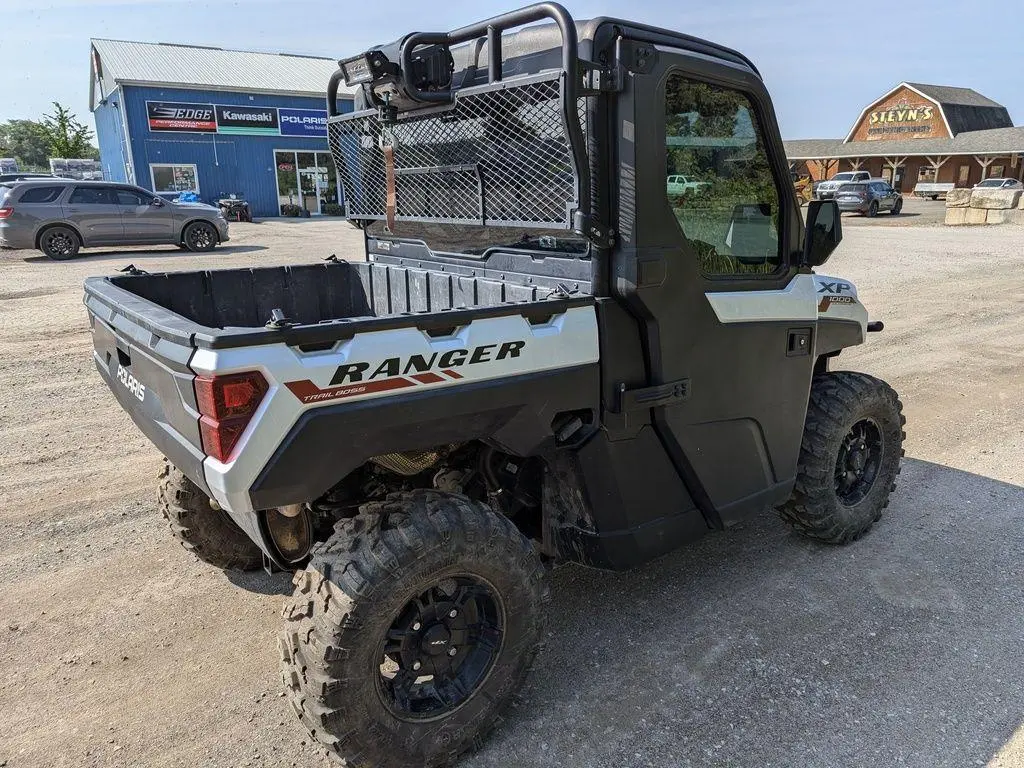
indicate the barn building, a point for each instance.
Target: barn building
{"x":920,"y":133}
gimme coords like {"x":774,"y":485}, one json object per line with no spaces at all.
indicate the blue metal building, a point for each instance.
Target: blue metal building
{"x":177,"y":118}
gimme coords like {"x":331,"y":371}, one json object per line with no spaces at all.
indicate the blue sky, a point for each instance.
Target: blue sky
{"x":823,"y":61}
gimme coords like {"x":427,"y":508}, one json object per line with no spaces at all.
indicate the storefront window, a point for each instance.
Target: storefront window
{"x":308,"y":180}
{"x":174,"y":178}
{"x":287,"y":185}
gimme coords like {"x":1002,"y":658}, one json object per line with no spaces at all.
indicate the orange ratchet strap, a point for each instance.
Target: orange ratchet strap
{"x":387,"y":146}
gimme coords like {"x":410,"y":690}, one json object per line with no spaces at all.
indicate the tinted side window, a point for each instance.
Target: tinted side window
{"x":40,"y":194}
{"x":730,"y":213}
{"x":92,"y":196}
{"x":130,"y":197}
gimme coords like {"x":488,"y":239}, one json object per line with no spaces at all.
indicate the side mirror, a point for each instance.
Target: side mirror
{"x":824,"y":231}
{"x":157,"y":202}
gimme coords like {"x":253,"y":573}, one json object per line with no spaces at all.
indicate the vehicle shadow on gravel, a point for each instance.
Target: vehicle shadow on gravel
{"x":756,"y":647}
{"x":261,"y":582}
{"x":145,"y":253}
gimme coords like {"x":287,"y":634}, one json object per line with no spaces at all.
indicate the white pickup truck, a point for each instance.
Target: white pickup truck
{"x":682,"y":185}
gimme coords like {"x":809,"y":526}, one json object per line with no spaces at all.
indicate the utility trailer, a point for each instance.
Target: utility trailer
{"x":543,"y":358}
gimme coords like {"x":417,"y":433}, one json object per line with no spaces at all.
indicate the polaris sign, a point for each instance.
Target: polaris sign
{"x":303,"y":122}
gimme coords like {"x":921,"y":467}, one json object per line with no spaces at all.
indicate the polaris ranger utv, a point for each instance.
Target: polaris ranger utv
{"x":543,"y":358}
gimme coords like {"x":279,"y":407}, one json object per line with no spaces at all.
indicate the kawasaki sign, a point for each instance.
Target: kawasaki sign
{"x":250,"y":120}
{"x":180,"y":117}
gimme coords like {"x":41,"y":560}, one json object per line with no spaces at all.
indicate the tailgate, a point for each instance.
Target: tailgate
{"x":150,"y":377}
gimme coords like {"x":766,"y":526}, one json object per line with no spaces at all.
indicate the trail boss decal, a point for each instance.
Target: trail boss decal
{"x":401,"y":372}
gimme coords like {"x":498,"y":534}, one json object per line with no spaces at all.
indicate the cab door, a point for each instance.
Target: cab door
{"x":712,"y":276}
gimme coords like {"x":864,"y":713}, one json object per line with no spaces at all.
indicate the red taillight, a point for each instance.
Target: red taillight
{"x":227,"y":403}
{"x":6,"y":211}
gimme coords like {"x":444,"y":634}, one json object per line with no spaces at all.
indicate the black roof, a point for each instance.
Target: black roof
{"x":947,"y":94}
{"x":966,"y":109}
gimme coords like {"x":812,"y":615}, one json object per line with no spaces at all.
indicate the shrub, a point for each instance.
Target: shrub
{"x":290,"y":209}
{"x":332,"y":209}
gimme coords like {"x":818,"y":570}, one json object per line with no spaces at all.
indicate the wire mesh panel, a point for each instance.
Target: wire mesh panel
{"x":498,"y":156}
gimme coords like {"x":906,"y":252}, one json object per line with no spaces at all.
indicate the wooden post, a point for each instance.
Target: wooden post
{"x":856,"y":163}
{"x":894,"y":163}
{"x":936,"y":163}
{"x":984,"y":161}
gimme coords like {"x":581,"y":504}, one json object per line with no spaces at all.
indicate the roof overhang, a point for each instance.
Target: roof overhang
{"x":226,"y":89}
{"x":904,"y":153}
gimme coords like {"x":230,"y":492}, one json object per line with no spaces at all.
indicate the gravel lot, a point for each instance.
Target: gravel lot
{"x":752,"y":648}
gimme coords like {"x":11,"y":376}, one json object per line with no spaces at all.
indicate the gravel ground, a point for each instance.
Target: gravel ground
{"x":751,"y":648}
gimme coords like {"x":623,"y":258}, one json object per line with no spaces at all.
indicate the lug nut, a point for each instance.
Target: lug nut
{"x":453,"y":614}
{"x":415,"y":626}
{"x":416,"y":665}
{"x":452,"y":651}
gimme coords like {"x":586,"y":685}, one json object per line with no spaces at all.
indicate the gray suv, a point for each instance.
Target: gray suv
{"x":869,"y":197}
{"x":61,"y":216}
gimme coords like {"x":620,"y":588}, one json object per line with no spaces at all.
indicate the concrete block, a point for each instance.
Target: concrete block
{"x":957,"y":217}
{"x":958,"y":198}
{"x":1017,"y":217}
{"x":976,"y":216}
{"x":1020,"y":205}
{"x":1000,"y":216}
{"x":995,"y":199}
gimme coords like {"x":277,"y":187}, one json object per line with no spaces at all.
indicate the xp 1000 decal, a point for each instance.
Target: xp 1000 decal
{"x":362,"y":378}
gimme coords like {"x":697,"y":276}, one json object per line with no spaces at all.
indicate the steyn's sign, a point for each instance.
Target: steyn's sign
{"x":899,"y":119}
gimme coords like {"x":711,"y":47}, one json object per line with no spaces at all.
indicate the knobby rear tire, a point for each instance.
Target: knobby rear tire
{"x":207,"y":532}
{"x":357,"y":583}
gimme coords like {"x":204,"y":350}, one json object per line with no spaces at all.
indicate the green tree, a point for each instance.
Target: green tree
{"x":26,"y":142}
{"x":66,"y":136}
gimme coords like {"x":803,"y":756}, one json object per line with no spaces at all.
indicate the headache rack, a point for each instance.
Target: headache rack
{"x":510,"y":152}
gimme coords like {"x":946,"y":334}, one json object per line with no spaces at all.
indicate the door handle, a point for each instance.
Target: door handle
{"x":799,"y":342}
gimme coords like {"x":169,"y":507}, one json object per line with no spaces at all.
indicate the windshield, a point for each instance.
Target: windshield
{"x":991,"y":183}
{"x":474,"y":240}
{"x":843,"y":177}
{"x":853,"y":187}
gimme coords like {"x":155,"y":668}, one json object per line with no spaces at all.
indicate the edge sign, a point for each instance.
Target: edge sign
{"x":177,"y":116}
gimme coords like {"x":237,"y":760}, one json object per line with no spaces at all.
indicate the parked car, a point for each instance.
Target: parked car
{"x":869,"y":197}
{"x":61,"y":216}
{"x":681,"y":185}
{"x":999,"y":183}
{"x":826,"y":190}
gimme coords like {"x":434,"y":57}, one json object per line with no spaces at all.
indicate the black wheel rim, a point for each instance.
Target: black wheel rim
{"x":200,"y":237}
{"x":440,"y":649}
{"x":860,"y":457}
{"x":60,"y":243}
